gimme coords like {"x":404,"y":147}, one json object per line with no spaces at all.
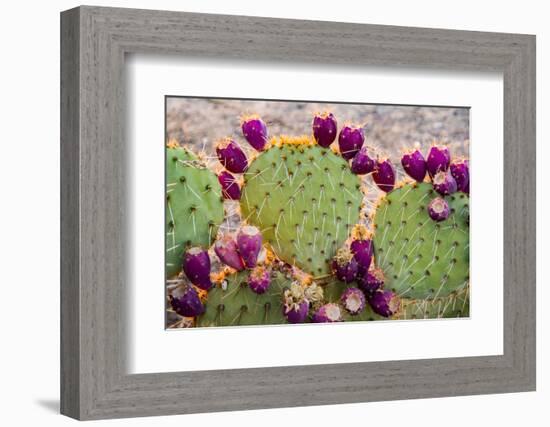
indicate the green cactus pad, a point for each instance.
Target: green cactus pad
{"x":238,"y":305}
{"x":332,"y":292}
{"x":194,"y":205}
{"x":421,"y":258}
{"x":305,"y":200}
{"x":455,"y":305}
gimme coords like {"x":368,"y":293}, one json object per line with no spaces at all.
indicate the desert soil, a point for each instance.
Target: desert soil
{"x":200,"y":122}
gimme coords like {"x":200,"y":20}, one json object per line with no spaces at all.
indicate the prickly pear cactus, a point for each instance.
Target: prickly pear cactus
{"x":333,"y":291}
{"x":237,"y":304}
{"x":456,"y":304}
{"x":194,"y":205}
{"x":289,"y":251}
{"x":304,"y":199}
{"x":422,"y":258}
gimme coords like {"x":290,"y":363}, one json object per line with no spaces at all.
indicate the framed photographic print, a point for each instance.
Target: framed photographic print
{"x":302,"y":230}
{"x":303,"y":212}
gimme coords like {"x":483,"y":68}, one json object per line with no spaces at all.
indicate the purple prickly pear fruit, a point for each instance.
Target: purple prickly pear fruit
{"x":259,"y":279}
{"x":249,"y":242}
{"x":384,"y":175}
{"x":414,"y":164}
{"x":328,"y":313}
{"x":186,"y":302}
{"x":361,"y":248}
{"x":353,"y":300}
{"x":384,"y":302}
{"x":297,"y":313}
{"x":295,"y":305}
{"x":439,"y":159}
{"x":362,"y":163}
{"x":362,"y":252}
{"x":350,"y":140}
{"x":231,"y":156}
{"x":230,"y":187}
{"x":254,"y":131}
{"x":438,"y":209}
{"x":460,"y":170}
{"x":196,"y":265}
{"x":444,"y":183}
{"x":228,"y":253}
{"x":324,"y":128}
{"x":372,"y":281}
{"x":345,"y":265}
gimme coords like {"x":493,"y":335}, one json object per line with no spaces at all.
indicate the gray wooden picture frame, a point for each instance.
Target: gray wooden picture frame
{"x":94,"y":42}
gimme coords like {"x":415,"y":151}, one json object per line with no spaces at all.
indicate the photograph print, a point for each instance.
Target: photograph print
{"x":296,"y":212}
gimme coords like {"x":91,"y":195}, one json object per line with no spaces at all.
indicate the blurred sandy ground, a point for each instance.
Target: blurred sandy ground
{"x":200,"y":122}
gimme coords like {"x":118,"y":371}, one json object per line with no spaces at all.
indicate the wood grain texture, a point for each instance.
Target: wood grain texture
{"x":70,"y":292}
{"x":94,"y":382}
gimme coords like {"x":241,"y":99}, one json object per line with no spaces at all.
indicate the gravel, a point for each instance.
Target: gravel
{"x":200,"y":122}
